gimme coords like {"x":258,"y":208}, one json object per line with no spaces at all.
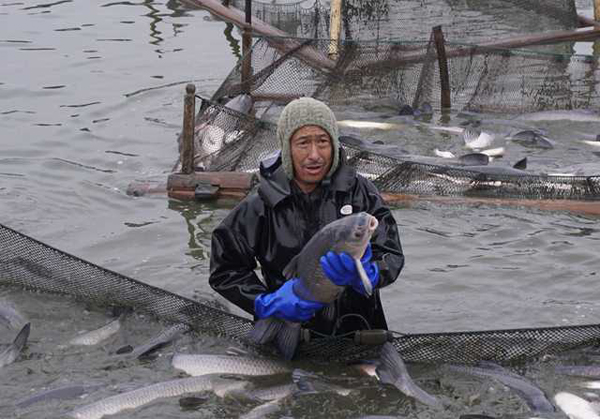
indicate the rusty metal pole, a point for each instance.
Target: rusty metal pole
{"x":187,"y":137}
{"x":246,"y":49}
{"x":438,"y":37}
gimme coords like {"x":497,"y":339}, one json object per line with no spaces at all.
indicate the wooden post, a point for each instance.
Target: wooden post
{"x":597,"y":10}
{"x":335,"y":28}
{"x":187,"y":138}
{"x":249,"y":12}
{"x":246,"y":59}
{"x":438,"y":37}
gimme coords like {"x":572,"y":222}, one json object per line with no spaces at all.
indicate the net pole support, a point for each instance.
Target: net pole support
{"x":440,"y":46}
{"x":335,"y":28}
{"x":187,"y":138}
{"x":247,"y":58}
{"x":248,"y":11}
{"x":597,"y":10}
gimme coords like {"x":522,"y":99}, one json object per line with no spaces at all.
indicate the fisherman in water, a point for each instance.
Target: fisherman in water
{"x":307,"y":186}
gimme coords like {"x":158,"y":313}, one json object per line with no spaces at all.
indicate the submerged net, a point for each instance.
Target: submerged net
{"x":32,"y":265}
{"x":470,"y":21}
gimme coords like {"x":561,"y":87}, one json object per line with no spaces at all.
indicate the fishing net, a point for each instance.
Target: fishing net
{"x":32,"y":265}
{"x":470,"y":21}
{"x":408,"y":73}
{"x":243,"y":152}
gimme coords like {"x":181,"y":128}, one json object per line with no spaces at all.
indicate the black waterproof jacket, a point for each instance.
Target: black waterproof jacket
{"x":273,"y":224}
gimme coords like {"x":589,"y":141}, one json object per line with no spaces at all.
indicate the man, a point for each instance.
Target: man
{"x":308,"y":186}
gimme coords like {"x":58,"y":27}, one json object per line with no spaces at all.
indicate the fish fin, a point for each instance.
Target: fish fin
{"x":302,"y":379}
{"x":127,"y":349}
{"x":288,"y":339}
{"x":363,"y":277}
{"x":521,"y":164}
{"x":329,"y":312}
{"x":265,"y":330}
{"x":469,"y":135}
{"x":234,"y":351}
{"x":22,"y":337}
{"x":392,"y":370}
{"x":291,"y":269}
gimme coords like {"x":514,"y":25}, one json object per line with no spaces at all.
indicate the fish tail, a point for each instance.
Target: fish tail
{"x":392,"y":370}
{"x":285,"y":334}
{"x":22,"y":337}
{"x":265,"y":330}
{"x":288,"y":339}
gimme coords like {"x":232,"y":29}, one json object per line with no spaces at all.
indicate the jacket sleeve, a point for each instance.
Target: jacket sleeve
{"x":387,"y":250}
{"x":232,"y":258}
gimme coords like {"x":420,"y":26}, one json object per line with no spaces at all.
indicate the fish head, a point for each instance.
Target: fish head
{"x":353,"y":233}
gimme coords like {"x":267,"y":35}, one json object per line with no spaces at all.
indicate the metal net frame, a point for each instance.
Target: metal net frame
{"x":32,"y":265}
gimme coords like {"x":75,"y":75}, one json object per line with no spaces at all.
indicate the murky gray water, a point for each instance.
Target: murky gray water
{"x":91,"y":99}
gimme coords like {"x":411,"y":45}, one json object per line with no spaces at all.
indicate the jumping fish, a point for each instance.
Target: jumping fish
{"x":141,"y":396}
{"x":575,"y":407}
{"x":476,"y":140}
{"x":531,"y":394}
{"x":8,"y":355}
{"x":392,"y":370}
{"x":350,"y":234}
{"x":200,"y":364}
{"x":94,"y":337}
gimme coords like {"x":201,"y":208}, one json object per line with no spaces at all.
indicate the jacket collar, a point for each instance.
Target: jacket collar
{"x":275,"y":186}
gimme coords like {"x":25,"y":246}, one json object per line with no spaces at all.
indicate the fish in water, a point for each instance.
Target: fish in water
{"x":165,"y":336}
{"x":10,"y":317}
{"x":474,"y":159}
{"x":531,"y":138}
{"x":477,"y":140}
{"x":579,"y":370}
{"x":144,"y":395}
{"x":200,"y":364}
{"x":349,"y":234}
{"x":94,"y":337}
{"x":530,"y":393}
{"x":575,"y":407}
{"x":579,"y":115}
{"x":424,"y":110}
{"x":210,"y":137}
{"x":384,"y":126}
{"x":61,"y":393}
{"x":8,"y":355}
{"x":516,"y":169}
{"x":392,"y":370}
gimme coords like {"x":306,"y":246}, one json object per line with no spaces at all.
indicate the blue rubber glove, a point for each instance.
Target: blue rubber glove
{"x":341,"y":269}
{"x":285,"y":305}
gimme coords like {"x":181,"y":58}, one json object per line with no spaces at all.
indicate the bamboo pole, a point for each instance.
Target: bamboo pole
{"x":187,"y":139}
{"x":335,"y":28}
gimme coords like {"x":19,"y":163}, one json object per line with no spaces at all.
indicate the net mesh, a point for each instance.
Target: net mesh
{"x":411,"y":20}
{"x":32,"y":265}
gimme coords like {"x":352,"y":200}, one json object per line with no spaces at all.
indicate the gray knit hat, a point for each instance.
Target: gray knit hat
{"x":302,"y":112}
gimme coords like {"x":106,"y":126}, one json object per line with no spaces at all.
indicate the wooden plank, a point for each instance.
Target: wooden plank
{"x":307,"y":54}
{"x":224,"y":180}
{"x":571,"y":205}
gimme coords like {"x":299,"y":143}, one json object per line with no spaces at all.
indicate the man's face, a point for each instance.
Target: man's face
{"x":311,"y":155}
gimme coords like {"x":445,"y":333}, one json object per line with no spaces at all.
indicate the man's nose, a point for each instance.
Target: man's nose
{"x":314,"y":151}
